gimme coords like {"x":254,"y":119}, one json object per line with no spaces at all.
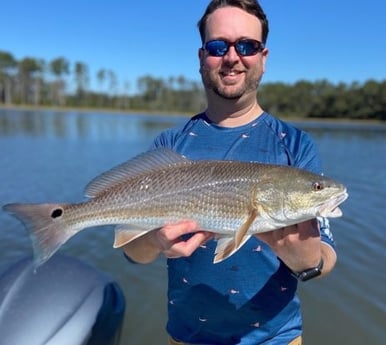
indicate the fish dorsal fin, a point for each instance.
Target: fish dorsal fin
{"x":144,"y":162}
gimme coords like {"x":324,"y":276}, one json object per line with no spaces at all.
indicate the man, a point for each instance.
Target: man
{"x":249,"y":298}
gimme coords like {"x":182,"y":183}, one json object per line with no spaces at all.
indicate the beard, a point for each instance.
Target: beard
{"x":212,"y":81}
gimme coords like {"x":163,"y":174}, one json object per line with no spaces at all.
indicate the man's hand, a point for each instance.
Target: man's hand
{"x":298,"y":246}
{"x":167,"y":240}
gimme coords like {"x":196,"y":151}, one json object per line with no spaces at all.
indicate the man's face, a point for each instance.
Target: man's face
{"x":232,"y":76}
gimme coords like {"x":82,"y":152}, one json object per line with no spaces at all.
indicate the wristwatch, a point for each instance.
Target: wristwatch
{"x":310,"y":273}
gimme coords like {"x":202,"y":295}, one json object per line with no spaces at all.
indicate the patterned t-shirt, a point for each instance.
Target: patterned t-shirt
{"x":249,"y":298}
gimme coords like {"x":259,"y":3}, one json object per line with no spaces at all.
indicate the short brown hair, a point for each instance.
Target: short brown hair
{"x":251,"y":6}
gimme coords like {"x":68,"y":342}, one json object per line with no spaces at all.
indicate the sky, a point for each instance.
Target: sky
{"x":337,"y":40}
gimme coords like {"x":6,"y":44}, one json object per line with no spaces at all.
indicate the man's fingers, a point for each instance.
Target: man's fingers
{"x":171,"y":232}
{"x":186,"y":248}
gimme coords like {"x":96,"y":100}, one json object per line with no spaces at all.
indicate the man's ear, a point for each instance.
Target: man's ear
{"x":201,"y":56}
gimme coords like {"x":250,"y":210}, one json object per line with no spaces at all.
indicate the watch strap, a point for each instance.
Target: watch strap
{"x":310,"y":273}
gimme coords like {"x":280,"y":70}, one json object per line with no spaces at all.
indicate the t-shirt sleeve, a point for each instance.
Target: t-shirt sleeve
{"x":307,"y":154}
{"x":164,"y":139}
{"x":325,"y":232}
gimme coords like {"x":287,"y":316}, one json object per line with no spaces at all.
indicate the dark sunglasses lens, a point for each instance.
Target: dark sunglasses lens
{"x":248,"y":47}
{"x":244,"y":47}
{"x":217,"y":48}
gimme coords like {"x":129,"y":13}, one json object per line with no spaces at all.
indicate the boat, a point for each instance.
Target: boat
{"x":63,"y":302}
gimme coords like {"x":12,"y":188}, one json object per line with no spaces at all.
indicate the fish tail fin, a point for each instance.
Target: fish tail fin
{"x":46,"y":227}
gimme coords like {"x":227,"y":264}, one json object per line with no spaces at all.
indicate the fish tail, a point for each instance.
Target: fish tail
{"x":46,"y":227}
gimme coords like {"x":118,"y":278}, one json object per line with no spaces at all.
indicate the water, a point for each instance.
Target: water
{"x":47,"y":156}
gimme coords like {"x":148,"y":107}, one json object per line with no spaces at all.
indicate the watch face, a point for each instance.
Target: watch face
{"x":309,"y":274}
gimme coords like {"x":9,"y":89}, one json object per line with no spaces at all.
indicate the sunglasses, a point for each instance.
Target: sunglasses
{"x":244,"y":47}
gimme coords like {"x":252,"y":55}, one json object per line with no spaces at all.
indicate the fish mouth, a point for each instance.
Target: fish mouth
{"x":330,"y":208}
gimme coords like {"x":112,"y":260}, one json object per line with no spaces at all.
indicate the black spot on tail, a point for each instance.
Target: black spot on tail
{"x":56,"y":213}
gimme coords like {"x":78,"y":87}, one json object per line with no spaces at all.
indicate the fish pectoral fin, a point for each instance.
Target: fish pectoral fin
{"x":125,"y":234}
{"x":226,"y":246}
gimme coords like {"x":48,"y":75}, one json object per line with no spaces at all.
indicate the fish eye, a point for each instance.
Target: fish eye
{"x":56,"y":213}
{"x":318,"y":186}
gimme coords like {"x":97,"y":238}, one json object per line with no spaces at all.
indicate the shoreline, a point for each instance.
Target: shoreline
{"x":180,"y":114}
{"x":93,"y":110}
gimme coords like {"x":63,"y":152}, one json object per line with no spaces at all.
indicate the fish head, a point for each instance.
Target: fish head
{"x":309,"y":195}
{"x":292,"y":195}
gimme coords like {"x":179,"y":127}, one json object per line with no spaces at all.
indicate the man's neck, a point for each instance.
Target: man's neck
{"x":231,"y":114}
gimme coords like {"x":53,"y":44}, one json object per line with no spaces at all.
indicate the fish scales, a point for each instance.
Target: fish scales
{"x":176,"y":192}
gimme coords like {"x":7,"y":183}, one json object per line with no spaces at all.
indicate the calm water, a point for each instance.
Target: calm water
{"x":47,"y":156}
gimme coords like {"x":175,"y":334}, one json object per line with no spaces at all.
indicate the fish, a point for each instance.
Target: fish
{"x":232,"y":199}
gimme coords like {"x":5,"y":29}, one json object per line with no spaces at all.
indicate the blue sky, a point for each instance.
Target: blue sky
{"x":339,"y":40}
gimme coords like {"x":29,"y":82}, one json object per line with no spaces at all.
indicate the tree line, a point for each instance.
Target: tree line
{"x":33,"y":81}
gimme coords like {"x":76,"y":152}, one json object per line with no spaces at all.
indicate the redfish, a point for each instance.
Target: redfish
{"x":232,"y":199}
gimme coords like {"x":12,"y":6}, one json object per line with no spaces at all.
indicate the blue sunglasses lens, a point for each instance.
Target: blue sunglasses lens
{"x":217,"y":48}
{"x":245,"y":47}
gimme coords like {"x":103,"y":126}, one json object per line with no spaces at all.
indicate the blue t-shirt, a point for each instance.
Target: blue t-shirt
{"x":249,"y":298}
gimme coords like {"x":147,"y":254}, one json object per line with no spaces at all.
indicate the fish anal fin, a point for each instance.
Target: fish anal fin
{"x":226,"y":246}
{"x":125,"y":234}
